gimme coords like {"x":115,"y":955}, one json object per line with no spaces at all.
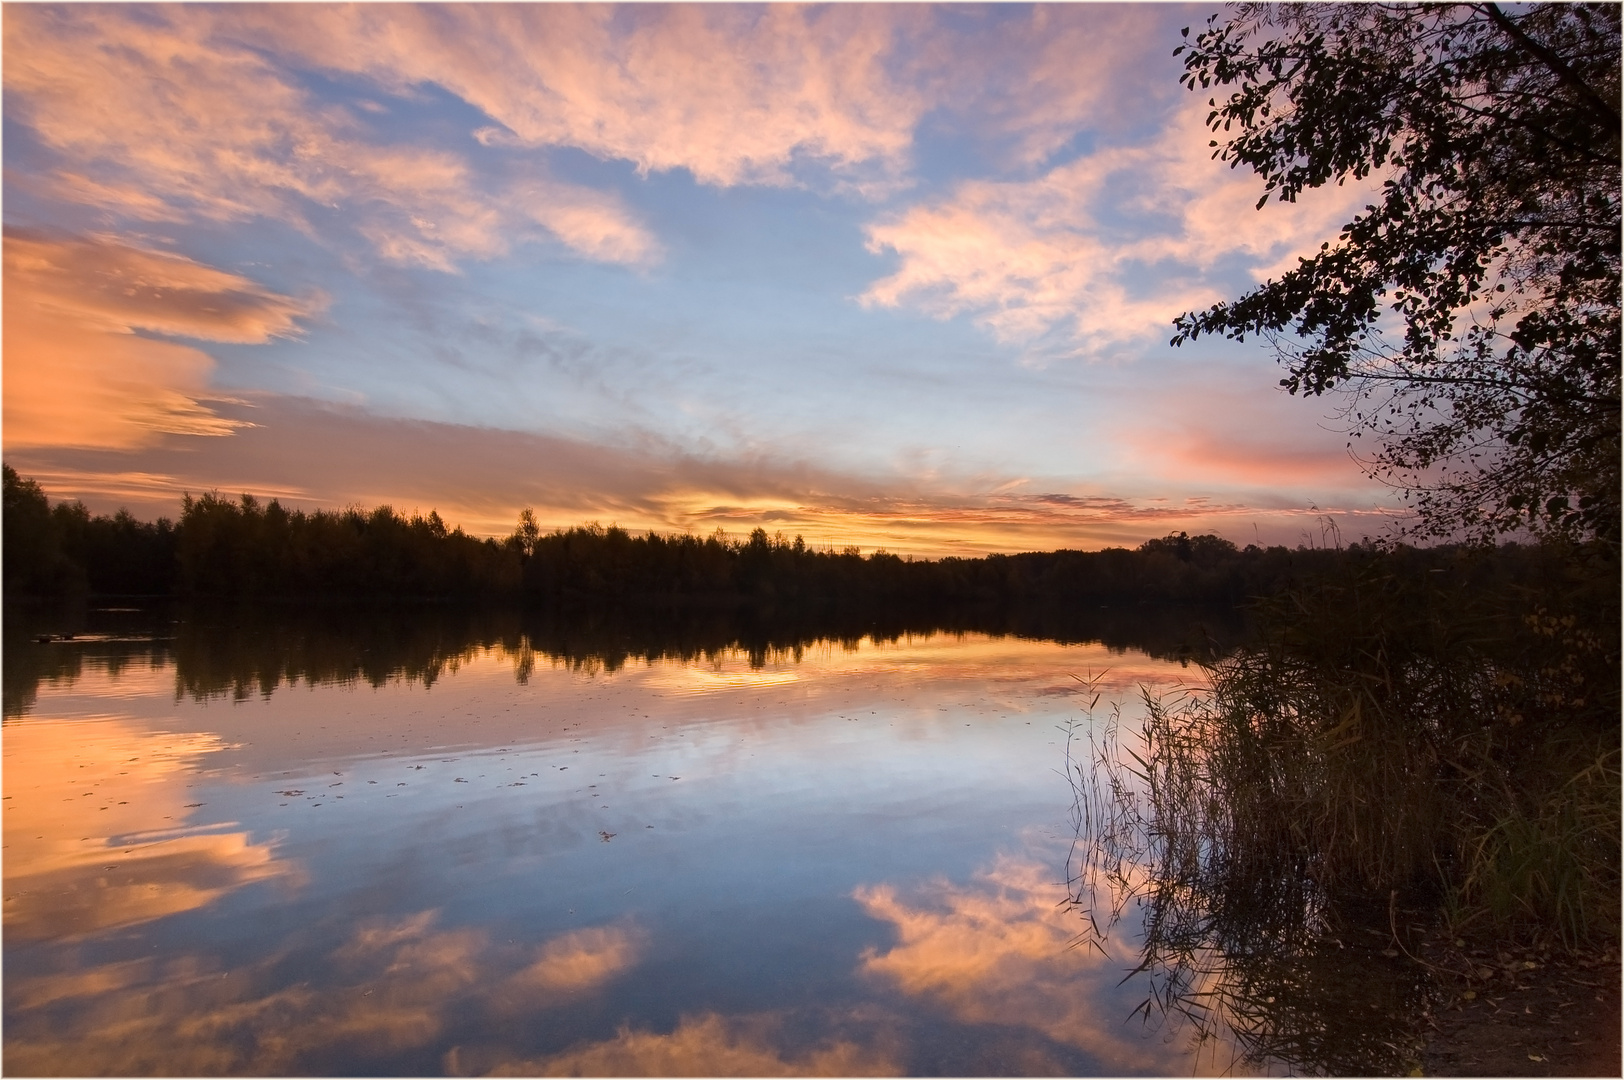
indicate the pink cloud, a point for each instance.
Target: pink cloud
{"x":179,"y":112}
{"x":203,"y":101}
{"x":732,"y":94}
{"x":737,"y":94}
{"x":1045,"y":263}
{"x":1023,"y":259}
{"x":1203,"y":431}
{"x":1252,"y":459}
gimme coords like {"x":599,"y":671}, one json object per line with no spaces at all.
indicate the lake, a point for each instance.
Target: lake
{"x":401,"y":846}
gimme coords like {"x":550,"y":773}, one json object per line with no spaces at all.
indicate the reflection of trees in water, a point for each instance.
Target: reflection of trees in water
{"x":112,"y":648}
{"x":245,"y":650}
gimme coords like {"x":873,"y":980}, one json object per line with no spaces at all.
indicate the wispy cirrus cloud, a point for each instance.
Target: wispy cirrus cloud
{"x":203,"y":111}
{"x":739,"y":94}
{"x":1020,"y":166}
{"x":1028,"y":82}
{"x":207,"y":104}
{"x":178,"y":112}
{"x":732,"y":94}
{"x":80,"y":370}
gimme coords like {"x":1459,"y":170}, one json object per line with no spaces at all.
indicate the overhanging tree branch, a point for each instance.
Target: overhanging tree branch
{"x":1495,"y":241}
{"x":1608,"y":117}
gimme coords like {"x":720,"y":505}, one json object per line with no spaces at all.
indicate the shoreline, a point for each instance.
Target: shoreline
{"x":1522,"y":1014}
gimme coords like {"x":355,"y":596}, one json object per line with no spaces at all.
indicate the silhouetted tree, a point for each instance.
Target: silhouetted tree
{"x":1495,"y":241}
{"x":34,"y":563}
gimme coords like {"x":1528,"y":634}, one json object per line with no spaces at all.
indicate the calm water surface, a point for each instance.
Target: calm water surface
{"x":846,"y":858}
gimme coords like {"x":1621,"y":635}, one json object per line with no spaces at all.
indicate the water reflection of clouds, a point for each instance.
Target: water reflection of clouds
{"x":98,"y":834}
{"x":391,"y":987}
{"x":379,"y":991}
{"x":579,"y":959}
{"x":705,"y":1045}
{"x":997,"y":950}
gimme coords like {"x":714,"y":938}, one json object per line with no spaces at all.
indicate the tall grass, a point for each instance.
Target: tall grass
{"x":1391,"y":742}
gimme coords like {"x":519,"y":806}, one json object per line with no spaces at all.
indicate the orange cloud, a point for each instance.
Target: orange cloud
{"x":73,"y":187}
{"x":186,"y":1015}
{"x":731,"y":94}
{"x":997,"y":951}
{"x":179,"y":112}
{"x":1022,"y":273}
{"x":580,"y":959}
{"x":739,"y":95}
{"x":97,"y":837}
{"x":108,"y":286}
{"x":77,"y":372}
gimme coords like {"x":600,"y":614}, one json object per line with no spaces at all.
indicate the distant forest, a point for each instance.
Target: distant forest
{"x":246,"y":549}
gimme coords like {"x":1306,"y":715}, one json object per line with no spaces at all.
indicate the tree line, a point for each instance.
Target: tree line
{"x":249,"y":549}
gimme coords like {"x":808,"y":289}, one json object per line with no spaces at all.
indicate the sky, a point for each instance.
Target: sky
{"x":898,"y":276}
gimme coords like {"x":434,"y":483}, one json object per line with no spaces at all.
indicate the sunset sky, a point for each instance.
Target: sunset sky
{"x":897,"y":276}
